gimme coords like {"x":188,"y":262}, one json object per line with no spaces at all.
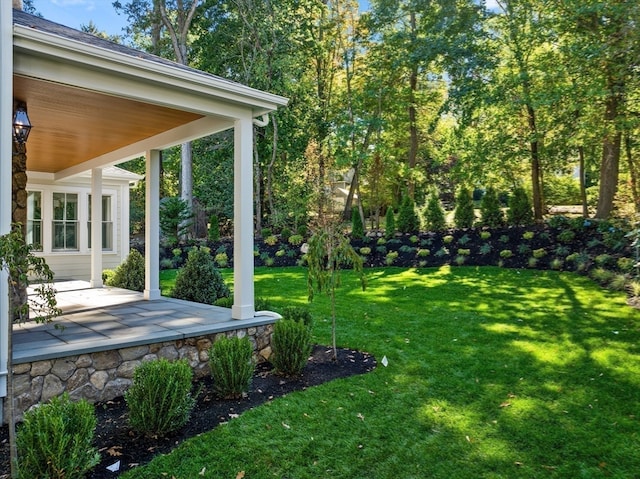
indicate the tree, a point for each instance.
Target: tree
{"x":464,"y":216}
{"x":408,"y":221}
{"x":23,"y":268}
{"x":519,"y":212}
{"x":329,"y":252}
{"x":434,"y":213}
{"x":490,"y":211}
{"x":175,"y":217}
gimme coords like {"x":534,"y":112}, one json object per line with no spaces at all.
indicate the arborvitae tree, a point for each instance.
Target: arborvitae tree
{"x":492,"y":215}
{"x":408,"y":221}
{"x":520,"y":209}
{"x":214,"y":228}
{"x":357,"y":229}
{"x":434,"y":213}
{"x":389,"y":223}
{"x":463,"y":216}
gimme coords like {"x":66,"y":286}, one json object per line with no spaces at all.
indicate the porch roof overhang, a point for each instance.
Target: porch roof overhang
{"x":94,"y":103}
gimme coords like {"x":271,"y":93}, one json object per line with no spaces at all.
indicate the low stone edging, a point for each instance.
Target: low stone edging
{"x":104,"y":375}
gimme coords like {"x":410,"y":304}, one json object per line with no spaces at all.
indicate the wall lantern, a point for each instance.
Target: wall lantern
{"x":21,"y":124}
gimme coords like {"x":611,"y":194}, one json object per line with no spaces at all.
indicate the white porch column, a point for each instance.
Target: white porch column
{"x":96,"y":228}
{"x":243,"y":300}
{"x":152,"y":227}
{"x":6,"y":141}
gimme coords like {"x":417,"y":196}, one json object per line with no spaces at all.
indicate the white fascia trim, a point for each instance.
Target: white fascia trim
{"x":67,"y":50}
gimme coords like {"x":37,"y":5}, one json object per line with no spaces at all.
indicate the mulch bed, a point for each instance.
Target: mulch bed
{"x":117,"y":442}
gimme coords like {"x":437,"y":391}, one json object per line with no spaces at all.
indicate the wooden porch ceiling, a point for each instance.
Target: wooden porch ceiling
{"x":72,"y":125}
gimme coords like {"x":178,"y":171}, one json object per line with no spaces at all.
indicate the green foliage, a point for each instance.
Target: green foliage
{"x":434,"y":214}
{"x":55,"y":440}
{"x":408,"y":221}
{"x":539,"y":253}
{"x":160,"y":400}
{"x":464,"y":252}
{"x":23,"y":267}
{"x":520,"y":210}
{"x":214,"y":228}
{"x":389,"y":223}
{"x":130,"y":273}
{"x":485,"y":235}
{"x":298,"y":313}
{"x":222,"y":259}
{"x":291,"y":345}
{"x":365,"y":250}
{"x":523,"y":249}
{"x":232,"y":366}
{"x":566,"y":236}
{"x":605,"y":260}
{"x":464,"y":239}
{"x":626,"y":265}
{"x":357,"y":228}
{"x":271,"y":240}
{"x":506,"y":253}
{"x":423,"y":252}
{"x":602,"y":275}
{"x":199,"y":280}
{"x":296,"y":240}
{"x":528,"y":235}
{"x":447,"y":239}
{"x":486,"y":248}
{"x":463,"y":216}
{"x":556,"y":263}
{"x":562,"y":190}
{"x":329,"y":252}
{"x":285,"y":233}
{"x":175,"y":218}
{"x":490,"y":211}
{"x":391,"y":257}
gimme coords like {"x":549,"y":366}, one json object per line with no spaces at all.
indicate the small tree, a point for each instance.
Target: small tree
{"x":464,"y":216}
{"x":389,"y":223}
{"x":357,"y":228}
{"x":18,"y":260}
{"x":520,"y":210}
{"x":214,"y":228}
{"x":175,"y":218}
{"x":408,"y":221}
{"x":490,"y":211}
{"x":434,"y":213}
{"x":329,"y":252}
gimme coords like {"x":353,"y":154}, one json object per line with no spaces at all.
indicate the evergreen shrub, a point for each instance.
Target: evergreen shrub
{"x":490,"y":211}
{"x":520,"y":210}
{"x":130,"y":273}
{"x":291,"y":345}
{"x":408,"y":221}
{"x":55,"y":440}
{"x":357,"y":228}
{"x":463,"y":215}
{"x":199,"y":280}
{"x":434,"y":214}
{"x":232,"y":365}
{"x":298,"y":313}
{"x":160,"y":400}
{"x":214,"y":228}
{"x":389,"y":223}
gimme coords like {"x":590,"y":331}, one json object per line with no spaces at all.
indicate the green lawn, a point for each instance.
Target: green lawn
{"x":492,"y":373}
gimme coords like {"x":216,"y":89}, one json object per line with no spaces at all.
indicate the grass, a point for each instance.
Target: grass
{"x":492,"y":373}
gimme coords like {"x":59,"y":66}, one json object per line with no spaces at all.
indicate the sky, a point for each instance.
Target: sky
{"x":74,"y":13}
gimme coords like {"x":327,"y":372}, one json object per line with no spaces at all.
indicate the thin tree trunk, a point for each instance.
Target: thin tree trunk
{"x":257,"y":185}
{"x":274,"y":153}
{"x":633,"y":172}
{"x":583,"y":182}
{"x":413,"y":114}
{"x":536,"y":170}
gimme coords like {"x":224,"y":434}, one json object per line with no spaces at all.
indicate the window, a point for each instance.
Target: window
{"x":107,"y":223}
{"x":65,"y":221}
{"x":34,"y":219}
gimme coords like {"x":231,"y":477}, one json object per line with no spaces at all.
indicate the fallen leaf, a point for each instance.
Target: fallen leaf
{"x":114,"y":451}
{"x":286,"y":426}
{"x":505,"y":404}
{"x":360,"y":416}
{"x":240,"y":475}
{"x":203,"y":471}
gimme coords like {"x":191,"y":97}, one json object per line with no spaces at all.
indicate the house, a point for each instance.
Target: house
{"x":94,"y":104}
{"x":69,"y":255}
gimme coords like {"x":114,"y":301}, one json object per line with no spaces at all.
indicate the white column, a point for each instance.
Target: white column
{"x":6,"y":142}
{"x":96,"y":228}
{"x":152,"y":227}
{"x":243,"y":301}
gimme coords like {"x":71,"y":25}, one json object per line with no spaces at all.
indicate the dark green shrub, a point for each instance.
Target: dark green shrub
{"x":266,"y":232}
{"x":262,"y":304}
{"x":226,"y":302}
{"x":566,"y":236}
{"x":231,"y":363}
{"x":357,"y":228}
{"x":285,"y":233}
{"x":490,"y":211}
{"x":130,"y":273}
{"x":214,"y":228}
{"x":296,"y":240}
{"x":55,"y":440}
{"x":520,"y":210}
{"x":175,"y":217}
{"x":298,"y":313}
{"x":463,"y":215}
{"x":291,"y":345}
{"x":160,"y":400}
{"x":199,"y":280}
{"x":408,"y":221}
{"x":389,"y":223}
{"x":434,"y":214}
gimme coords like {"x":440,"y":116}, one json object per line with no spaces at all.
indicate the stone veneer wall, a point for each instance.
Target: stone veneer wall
{"x":105,"y":375}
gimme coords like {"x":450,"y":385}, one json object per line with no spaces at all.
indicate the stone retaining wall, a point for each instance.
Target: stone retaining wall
{"x":105,"y":375}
